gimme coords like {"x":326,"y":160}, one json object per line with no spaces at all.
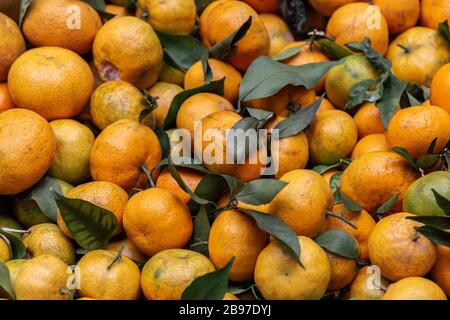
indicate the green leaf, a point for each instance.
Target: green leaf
{"x":405,"y":154}
{"x":207,"y":71}
{"x":130,"y":5}
{"x":260,"y":114}
{"x":339,"y":242}
{"x":163,"y":141}
{"x":333,"y":50}
{"x":414,"y":95}
{"x":91,"y":226}
{"x":211,"y":188}
{"x":211,"y":286}
{"x":349,"y":204}
{"x":260,"y":191}
{"x":24,"y":5}
{"x":392,"y":93}
{"x":265,"y":77}
{"x":182,"y":50}
{"x":202,"y":4}
{"x":385,"y":207}
{"x":436,"y":235}
{"x":298,"y":121}
{"x":216,"y":87}
{"x":321,"y":168}
{"x":18,"y":250}
{"x":184,"y":162}
{"x":288,"y":53}
{"x":234,"y":184}
{"x":227,"y":47}
{"x":442,"y":202}
{"x":96,"y":4}
{"x":43,"y":193}
{"x":444,"y":30}
{"x":294,"y":14}
{"x":150,"y":103}
{"x":432,"y":146}
{"x":447,"y":160}
{"x":202,"y":227}
{"x":427,"y":161}
{"x":381,"y":64}
{"x":5,"y":281}
{"x":364,"y":91}
{"x":335,"y":184}
{"x":441,"y":222}
{"x":278,"y":229}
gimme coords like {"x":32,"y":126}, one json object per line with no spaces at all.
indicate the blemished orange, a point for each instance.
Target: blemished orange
{"x":400,"y":14}
{"x":440,"y":93}
{"x":190,"y":177}
{"x":279,"y":33}
{"x":194,"y":77}
{"x":434,"y":12}
{"x":264,"y":6}
{"x":441,"y":269}
{"x":414,"y":288}
{"x":12,"y":44}
{"x":371,"y":143}
{"x":5,"y":98}
{"x":69,"y":24}
{"x":54,"y":82}
{"x":165,"y":92}
{"x":155,"y":220}
{"x":115,"y":157}
{"x":362,"y":220}
{"x":222,"y":18}
{"x":368,"y":120}
{"x":327,"y":7}
{"x":303,"y":203}
{"x":234,"y":234}
{"x":104,"y":194}
{"x":399,"y":250}
{"x":415,"y":128}
{"x":342,"y":271}
{"x":374,"y":178}
{"x":355,"y":21}
{"x":117,"y":56}
{"x":27,"y":146}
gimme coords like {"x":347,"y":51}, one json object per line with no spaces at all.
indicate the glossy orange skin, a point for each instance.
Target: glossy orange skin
{"x":434,"y":12}
{"x":5,"y":98}
{"x":440,"y":93}
{"x":400,"y":14}
{"x":191,"y":177}
{"x":12,"y":44}
{"x":279,"y":32}
{"x":342,"y":271}
{"x":371,"y":143}
{"x":441,"y":269}
{"x":414,"y":288}
{"x":165,"y":92}
{"x":368,"y":120}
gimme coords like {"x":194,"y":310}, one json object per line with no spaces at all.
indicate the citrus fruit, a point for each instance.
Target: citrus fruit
{"x":69,"y":24}
{"x":117,"y":11}
{"x":400,"y":15}
{"x":5,"y":251}
{"x":327,"y":7}
{"x":14,"y":268}
{"x":367,"y":285}
{"x":115,"y":158}
{"x":264,"y":6}
{"x":399,"y":249}
{"x":27,"y":145}
{"x":104,"y":276}
{"x":414,"y":288}
{"x":12,"y":44}
{"x":374,"y":178}
{"x":278,"y":276}
{"x":150,"y":218}
{"x":434,"y":12}
{"x":9,"y":222}
{"x":279,"y":32}
{"x":440,"y":96}
{"x":190,"y":177}
{"x":325,"y":105}
{"x":165,"y":92}
{"x":168,"y":273}
{"x":368,"y":120}
{"x":129,"y":250}
{"x":440,"y":272}
{"x":342,"y":271}
{"x":5,"y":98}
{"x":117,"y":56}
{"x":54,"y":82}
{"x":370,"y":143}
{"x":171,"y":75}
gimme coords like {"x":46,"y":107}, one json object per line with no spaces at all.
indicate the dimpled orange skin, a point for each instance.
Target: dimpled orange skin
{"x":417,"y":54}
{"x":279,"y":277}
{"x":307,"y":54}
{"x":127,"y":48}
{"x":168,"y":273}
{"x":351,"y":23}
{"x":434,"y":12}
{"x":5,"y":98}
{"x":194,"y":77}
{"x":155,"y":219}
{"x":264,"y":6}
{"x":190,"y":177}
{"x":57,"y":23}
{"x":170,"y":16}
{"x":54,"y":82}
{"x":165,"y":92}
{"x":371,"y":143}
{"x":414,"y":288}
{"x":327,"y":7}
{"x":368,"y":120}
{"x":415,"y":128}
{"x":362,"y":220}
{"x":342,"y":271}
{"x":331,"y":136}
{"x":101,"y":193}
{"x":234,"y":234}
{"x":374,"y":178}
{"x":224,"y":18}
{"x":279,"y":32}
{"x":27,"y":146}
{"x":440,"y":95}
{"x":441,"y":269}
{"x":303,"y":203}
{"x":12,"y":44}
{"x":116,"y":158}
{"x":292,"y":152}
{"x":400,"y":15}
{"x":399,"y":249}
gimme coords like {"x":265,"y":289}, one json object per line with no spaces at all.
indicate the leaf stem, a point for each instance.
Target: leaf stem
{"x":144,"y":169}
{"x":340,"y":217}
{"x":118,"y":256}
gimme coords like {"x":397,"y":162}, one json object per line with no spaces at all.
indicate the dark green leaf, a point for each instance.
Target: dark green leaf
{"x":91,"y":226}
{"x":207,"y":72}
{"x":183,"y":162}
{"x":265,"y":77}
{"x":260,"y":114}
{"x":364,"y":91}
{"x":5,"y":281}
{"x":96,"y":4}
{"x":43,"y":193}
{"x":335,"y":183}
{"x":150,"y":103}
{"x":427,"y":161}
{"x":227,"y":47}
{"x":234,"y":184}
{"x":278,"y":229}
{"x":349,"y":204}
{"x":385,"y":207}
{"x":436,"y":235}
{"x":333,"y":50}
{"x":413,"y":95}
{"x":432,"y":146}
{"x":444,"y":30}
{"x":211,"y":188}
{"x":201,"y":232}
{"x":321,"y":168}
{"x":442,"y":202}
{"x":381,"y":64}
{"x":18,"y":249}
{"x":412,"y":100}
{"x":130,"y":5}
{"x":392,"y":93}
{"x":405,"y":154}
{"x":260,"y":191}
{"x":298,"y":121}
{"x":441,"y":222}
{"x":239,"y":139}
{"x":447,"y":160}
{"x":294,"y":14}
{"x":211,"y":286}
{"x":163,"y":141}
{"x":216,"y":87}
{"x":339,"y":242}
{"x":24,"y":4}
{"x":202,"y":4}
{"x":288,"y":53}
